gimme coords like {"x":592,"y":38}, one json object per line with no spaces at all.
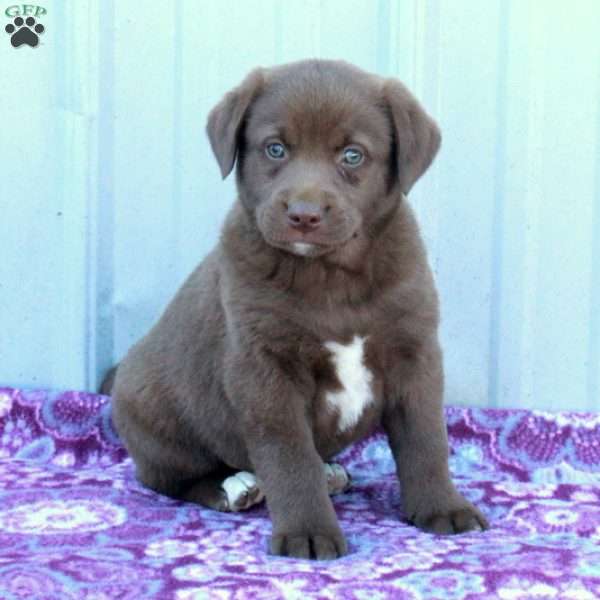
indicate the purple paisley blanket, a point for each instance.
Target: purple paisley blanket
{"x":75,"y":524}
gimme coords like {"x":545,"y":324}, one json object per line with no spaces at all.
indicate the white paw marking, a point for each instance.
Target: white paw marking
{"x":302,"y":248}
{"x":338,"y":479}
{"x":239,"y":488}
{"x":355,"y":378}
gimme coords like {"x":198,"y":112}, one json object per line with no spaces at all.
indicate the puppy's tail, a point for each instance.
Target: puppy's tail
{"x":109,"y":380}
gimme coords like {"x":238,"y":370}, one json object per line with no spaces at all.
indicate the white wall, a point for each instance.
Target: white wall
{"x":109,"y":194}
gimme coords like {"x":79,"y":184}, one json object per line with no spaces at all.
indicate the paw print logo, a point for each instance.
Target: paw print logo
{"x":24,"y":32}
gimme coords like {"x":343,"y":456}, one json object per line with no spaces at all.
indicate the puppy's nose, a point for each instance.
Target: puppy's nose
{"x":305,"y":216}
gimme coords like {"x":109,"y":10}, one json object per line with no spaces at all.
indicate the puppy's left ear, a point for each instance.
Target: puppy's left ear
{"x":417,"y":135}
{"x":225,"y":120}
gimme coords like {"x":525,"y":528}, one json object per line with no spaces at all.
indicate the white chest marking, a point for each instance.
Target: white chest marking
{"x":356,"y":381}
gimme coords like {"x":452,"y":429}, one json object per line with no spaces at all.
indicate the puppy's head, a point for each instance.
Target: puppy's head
{"x":323,"y":150}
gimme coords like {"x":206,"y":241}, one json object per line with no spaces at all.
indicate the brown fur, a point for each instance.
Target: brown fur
{"x":234,"y":374}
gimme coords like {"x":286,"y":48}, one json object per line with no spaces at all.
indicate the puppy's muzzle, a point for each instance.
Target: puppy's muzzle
{"x":304,"y":216}
{"x":307,"y":221}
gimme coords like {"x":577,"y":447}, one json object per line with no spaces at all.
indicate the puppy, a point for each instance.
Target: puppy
{"x":313,"y":321}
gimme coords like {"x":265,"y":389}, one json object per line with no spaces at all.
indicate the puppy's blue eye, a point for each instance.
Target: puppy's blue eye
{"x":276,"y":151}
{"x":352,"y":157}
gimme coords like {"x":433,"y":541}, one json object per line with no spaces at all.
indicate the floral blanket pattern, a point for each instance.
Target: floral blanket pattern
{"x":74,"y":523}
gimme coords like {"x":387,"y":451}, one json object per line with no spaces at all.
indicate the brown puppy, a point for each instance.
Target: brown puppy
{"x":313,"y":321}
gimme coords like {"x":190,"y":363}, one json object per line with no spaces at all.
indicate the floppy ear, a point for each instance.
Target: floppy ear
{"x":225,"y":120}
{"x":416,"y":134}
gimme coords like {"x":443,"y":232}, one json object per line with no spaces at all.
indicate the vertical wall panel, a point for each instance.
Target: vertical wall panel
{"x":43,"y":201}
{"x":565,"y":234}
{"x":143,"y":162}
{"x":463,"y":202}
{"x":545,"y":294}
{"x":110,"y":195}
{"x":101,"y":197}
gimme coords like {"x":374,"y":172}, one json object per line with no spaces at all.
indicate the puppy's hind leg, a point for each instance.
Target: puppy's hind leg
{"x":211,"y":483}
{"x":234,"y":491}
{"x":338,"y":479}
{"x":221,"y":487}
{"x":201,"y":485}
{"x":231,"y":491}
{"x":227,"y":491}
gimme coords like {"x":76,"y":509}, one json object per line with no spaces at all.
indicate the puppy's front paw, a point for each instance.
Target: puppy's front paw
{"x":449,"y":517}
{"x":320,"y":545}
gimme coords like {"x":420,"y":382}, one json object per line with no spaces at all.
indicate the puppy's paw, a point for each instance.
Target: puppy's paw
{"x":458,"y":516}
{"x":242,"y":491}
{"x":319,"y":545}
{"x":338,"y":479}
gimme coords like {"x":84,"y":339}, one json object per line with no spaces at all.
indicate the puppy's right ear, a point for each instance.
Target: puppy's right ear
{"x":417,"y":135}
{"x":225,"y":120}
